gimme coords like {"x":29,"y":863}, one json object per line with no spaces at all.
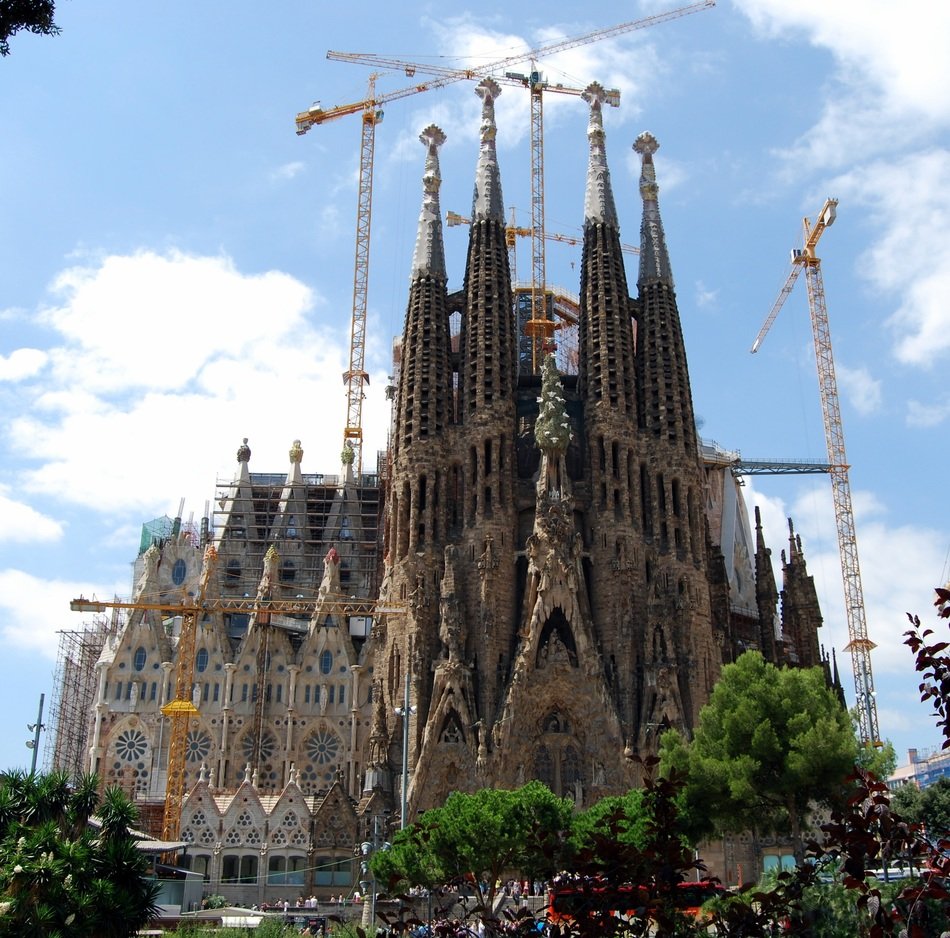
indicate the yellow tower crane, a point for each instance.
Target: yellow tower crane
{"x":859,"y":645}
{"x":356,"y":377}
{"x":181,"y":710}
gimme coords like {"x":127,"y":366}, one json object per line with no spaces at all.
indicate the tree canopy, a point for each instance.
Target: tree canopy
{"x":34,"y":16}
{"x":929,"y":806}
{"x":68,"y":862}
{"x":478,"y":836}
{"x":771,"y":743}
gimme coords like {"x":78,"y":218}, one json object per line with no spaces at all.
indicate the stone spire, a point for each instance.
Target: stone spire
{"x":654,"y":260}
{"x":801,"y":614}
{"x":766,"y":593}
{"x":429,"y":257}
{"x":665,"y":401}
{"x":599,"y":200}
{"x":607,"y":366}
{"x":487,"y":341}
{"x":424,"y":396}
{"x":487,"y":202}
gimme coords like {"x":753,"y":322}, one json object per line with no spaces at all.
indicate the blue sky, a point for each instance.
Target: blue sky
{"x":176,"y":265}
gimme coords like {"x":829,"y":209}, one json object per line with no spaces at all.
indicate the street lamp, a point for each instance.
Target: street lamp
{"x":36,"y":728}
{"x":405,"y":711}
{"x":368,"y":880}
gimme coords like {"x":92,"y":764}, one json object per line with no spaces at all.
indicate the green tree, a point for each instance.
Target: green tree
{"x":68,"y":863}
{"x":907,"y":801}
{"x":929,"y":807}
{"x":623,"y":817}
{"x":771,"y":744}
{"x":479,"y":837}
{"x":880,"y":759}
{"x":35,"y":16}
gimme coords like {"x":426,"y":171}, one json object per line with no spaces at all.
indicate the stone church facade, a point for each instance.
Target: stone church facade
{"x":560,"y":571}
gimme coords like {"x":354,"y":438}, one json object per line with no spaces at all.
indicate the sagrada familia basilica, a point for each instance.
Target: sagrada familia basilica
{"x":560,"y":569}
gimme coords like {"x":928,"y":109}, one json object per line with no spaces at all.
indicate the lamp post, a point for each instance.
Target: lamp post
{"x":36,"y":729}
{"x":368,"y":880}
{"x":405,"y":711}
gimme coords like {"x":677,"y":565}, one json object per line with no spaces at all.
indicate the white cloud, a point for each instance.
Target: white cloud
{"x":863,"y":391}
{"x":288,"y":171}
{"x":151,"y":321}
{"x":892,"y":72}
{"x":705,"y":296}
{"x":167,"y":363}
{"x":34,"y":610}
{"x":21,"y":363}
{"x":19,"y":523}
{"x":911,"y":258}
{"x":929,"y":414}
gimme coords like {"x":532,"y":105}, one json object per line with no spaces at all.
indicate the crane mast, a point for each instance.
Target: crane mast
{"x":356,"y":377}
{"x":859,"y":644}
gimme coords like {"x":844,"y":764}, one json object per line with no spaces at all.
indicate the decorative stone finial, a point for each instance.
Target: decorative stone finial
{"x":348,"y":455}
{"x":203,"y":773}
{"x":646,"y":145}
{"x":429,"y":256}
{"x":487,"y":202}
{"x":244,"y":452}
{"x":599,"y":204}
{"x":296,"y":452}
{"x":247,"y":772}
{"x":654,"y":259}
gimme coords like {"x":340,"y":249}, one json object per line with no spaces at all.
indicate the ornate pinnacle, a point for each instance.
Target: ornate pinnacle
{"x":599,"y":200}
{"x":654,"y":260}
{"x":646,"y":145}
{"x":296,"y":452}
{"x":429,"y":258}
{"x":487,"y":202}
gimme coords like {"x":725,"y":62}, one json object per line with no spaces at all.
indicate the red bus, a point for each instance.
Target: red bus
{"x":570,"y":902}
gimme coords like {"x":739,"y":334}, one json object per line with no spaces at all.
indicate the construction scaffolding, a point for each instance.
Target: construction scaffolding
{"x":74,"y":695}
{"x":346,"y":517}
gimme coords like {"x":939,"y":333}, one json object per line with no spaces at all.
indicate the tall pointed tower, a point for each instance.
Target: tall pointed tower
{"x":681,"y":660}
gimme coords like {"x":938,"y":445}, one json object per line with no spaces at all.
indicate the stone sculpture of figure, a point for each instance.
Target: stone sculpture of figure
{"x":666,"y":708}
{"x":244,"y":452}
{"x":150,"y":560}
{"x":269,"y":579}
{"x":134,"y":693}
{"x":331,"y":574}
{"x":418,"y":598}
{"x":450,"y":613}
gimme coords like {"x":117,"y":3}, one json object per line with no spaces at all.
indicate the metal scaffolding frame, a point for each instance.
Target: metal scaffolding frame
{"x":74,"y":695}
